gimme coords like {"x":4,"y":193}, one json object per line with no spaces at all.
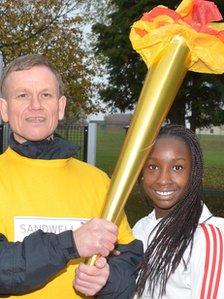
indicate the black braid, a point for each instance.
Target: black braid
{"x":174,"y":232}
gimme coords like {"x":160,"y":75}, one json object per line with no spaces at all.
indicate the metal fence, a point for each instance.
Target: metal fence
{"x":76,"y":134}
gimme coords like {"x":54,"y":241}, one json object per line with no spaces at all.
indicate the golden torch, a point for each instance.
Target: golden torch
{"x":170,"y":44}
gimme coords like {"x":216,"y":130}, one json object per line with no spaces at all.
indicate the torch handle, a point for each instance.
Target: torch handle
{"x":91,"y":261}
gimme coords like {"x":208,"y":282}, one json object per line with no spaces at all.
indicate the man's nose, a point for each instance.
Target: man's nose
{"x":35,"y":102}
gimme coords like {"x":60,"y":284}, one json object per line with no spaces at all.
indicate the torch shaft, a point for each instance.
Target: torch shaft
{"x":159,"y":90}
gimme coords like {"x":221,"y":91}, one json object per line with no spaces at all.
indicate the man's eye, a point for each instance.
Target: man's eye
{"x":46,"y":95}
{"x":177,"y":167}
{"x":22,"y":95}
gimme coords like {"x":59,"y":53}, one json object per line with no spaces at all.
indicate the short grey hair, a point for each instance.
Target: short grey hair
{"x":26,"y":62}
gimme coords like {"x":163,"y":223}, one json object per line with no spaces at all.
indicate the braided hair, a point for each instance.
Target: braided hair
{"x":175,"y":231}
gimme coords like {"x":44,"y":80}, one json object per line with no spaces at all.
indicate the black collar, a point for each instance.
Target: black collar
{"x":47,"y":149}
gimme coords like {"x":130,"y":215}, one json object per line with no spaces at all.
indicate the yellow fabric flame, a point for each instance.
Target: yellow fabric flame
{"x":207,"y":50}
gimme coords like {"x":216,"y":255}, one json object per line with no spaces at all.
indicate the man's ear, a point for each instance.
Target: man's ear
{"x":4,"y":109}
{"x":61,"y":108}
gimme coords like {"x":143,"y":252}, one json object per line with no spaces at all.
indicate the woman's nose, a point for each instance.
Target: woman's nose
{"x":164,"y":177}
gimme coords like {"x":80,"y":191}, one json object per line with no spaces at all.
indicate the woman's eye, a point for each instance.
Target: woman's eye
{"x":152,"y":167}
{"x":177,"y":167}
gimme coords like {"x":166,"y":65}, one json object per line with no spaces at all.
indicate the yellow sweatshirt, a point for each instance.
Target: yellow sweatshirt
{"x":52,"y":195}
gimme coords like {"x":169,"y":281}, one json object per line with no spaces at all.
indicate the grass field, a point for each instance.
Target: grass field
{"x":109,"y":144}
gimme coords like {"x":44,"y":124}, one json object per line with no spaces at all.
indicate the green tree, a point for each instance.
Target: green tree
{"x":52,"y":28}
{"x":201,"y":95}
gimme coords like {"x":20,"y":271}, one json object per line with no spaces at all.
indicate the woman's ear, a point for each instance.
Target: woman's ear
{"x":4,"y":109}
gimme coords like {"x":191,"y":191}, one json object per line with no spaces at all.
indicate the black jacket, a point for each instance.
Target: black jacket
{"x":123,"y":272}
{"x":27,"y":265}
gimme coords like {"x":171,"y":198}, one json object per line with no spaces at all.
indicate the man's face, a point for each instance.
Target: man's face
{"x":32,"y":105}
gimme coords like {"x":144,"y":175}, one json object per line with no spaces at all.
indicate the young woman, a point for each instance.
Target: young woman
{"x":183,"y":241}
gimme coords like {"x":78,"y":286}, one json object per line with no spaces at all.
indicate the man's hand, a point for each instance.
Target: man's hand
{"x":96,"y":236}
{"x":89,"y":280}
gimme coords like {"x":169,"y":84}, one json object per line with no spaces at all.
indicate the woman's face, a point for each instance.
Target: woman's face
{"x":166,"y":173}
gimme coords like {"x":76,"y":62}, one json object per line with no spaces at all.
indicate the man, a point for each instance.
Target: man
{"x":43,"y":187}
